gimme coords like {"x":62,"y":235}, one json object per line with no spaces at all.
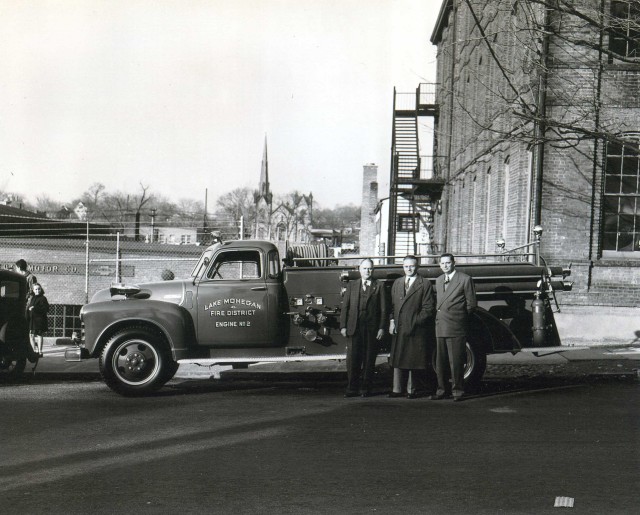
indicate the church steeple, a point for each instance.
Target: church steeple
{"x":263,"y":187}
{"x":263,"y":200}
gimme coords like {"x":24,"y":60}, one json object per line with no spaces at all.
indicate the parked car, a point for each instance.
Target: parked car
{"x":15,"y":348}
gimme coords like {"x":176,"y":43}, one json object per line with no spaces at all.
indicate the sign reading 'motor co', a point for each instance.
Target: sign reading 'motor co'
{"x":74,"y":269}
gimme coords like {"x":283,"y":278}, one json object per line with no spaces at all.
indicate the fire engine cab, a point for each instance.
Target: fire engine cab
{"x":242,"y":305}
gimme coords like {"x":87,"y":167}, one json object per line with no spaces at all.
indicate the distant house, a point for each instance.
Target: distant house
{"x":171,"y":234}
{"x":64,"y":213}
{"x":81,"y":211}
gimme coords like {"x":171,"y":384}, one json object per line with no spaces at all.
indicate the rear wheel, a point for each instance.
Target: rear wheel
{"x":475,"y":366}
{"x":11,"y":369}
{"x":136,"y":361}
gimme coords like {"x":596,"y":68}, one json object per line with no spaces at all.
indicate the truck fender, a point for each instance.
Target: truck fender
{"x":491,"y":332}
{"x":14,"y":341}
{"x":173,"y":321}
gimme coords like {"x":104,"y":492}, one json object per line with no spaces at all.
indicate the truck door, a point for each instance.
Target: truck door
{"x":234,"y":306}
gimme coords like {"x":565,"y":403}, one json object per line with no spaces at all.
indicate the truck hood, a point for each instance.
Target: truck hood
{"x":166,"y":291}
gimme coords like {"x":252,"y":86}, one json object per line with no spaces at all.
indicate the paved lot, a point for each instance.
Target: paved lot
{"x":289,"y":443}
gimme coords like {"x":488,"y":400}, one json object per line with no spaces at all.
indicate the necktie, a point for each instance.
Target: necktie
{"x":407,"y":283}
{"x":365,"y":285}
{"x":446,"y":281}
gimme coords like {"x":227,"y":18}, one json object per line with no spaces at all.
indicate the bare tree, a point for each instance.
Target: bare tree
{"x":231,"y":207}
{"x":120,"y":208}
{"x":541,"y":76}
{"x":93,"y":197}
{"x":339,"y":217}
{"x":189,"y":211}
{"x":525,"y":70}
{"x":44,"y":203}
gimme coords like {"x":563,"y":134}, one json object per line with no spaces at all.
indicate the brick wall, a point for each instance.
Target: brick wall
{"x":469,"y":82}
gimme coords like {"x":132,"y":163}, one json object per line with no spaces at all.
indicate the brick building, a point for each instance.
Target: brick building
{"x":539,"y":123}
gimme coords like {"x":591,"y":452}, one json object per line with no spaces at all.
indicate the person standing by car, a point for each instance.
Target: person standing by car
{"x":21,"y":268}
{"x":362,"y":318}
{"x":37,"y":309}
{"x":456,"y":300}
{"x":412,"y":306}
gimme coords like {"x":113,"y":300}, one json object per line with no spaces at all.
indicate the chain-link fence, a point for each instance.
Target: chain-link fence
{"x":72,"y":260}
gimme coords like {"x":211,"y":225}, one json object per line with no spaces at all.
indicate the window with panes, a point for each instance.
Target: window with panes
{"x":622,"y":196}
{"x":624,"y":32}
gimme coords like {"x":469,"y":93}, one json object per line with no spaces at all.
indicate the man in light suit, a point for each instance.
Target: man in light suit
{"x":412,"y":308}
{"x":456,"y":300}
{"x":362,"y":318}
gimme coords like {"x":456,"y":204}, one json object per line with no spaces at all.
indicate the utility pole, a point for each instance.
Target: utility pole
{"x":86,"y":265}
{"x":204,"y":218}
{"x":153,"y":224}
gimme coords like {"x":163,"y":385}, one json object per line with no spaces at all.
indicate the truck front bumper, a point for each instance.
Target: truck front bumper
{"x":75,"y":349}
{"x":76,"y":354}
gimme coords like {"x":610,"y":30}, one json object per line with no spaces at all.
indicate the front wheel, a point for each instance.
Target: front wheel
{"x":136,"y":361}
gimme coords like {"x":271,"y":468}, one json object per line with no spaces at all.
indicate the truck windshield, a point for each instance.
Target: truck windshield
{"x":236,"y":265}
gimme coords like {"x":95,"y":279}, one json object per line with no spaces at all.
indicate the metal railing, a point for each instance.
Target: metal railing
{"x":423,"y":97}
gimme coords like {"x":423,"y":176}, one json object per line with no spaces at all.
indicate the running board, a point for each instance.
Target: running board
{"x":271,"y":359}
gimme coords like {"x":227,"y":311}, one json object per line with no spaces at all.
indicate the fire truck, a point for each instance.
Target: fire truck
{"x":243,"y":304}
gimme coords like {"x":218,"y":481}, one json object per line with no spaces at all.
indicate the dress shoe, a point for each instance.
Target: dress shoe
{"x":412,"y":396}
{"x":436,"y":397}
{"x":350,"y":394}
{"x":458,"y":398}
{"x":394,"y":395}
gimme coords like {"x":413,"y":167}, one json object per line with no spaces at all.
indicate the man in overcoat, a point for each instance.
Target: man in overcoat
{"x":456,"y":300}
{"x":363,"y":319}
{"x":412,"y":304}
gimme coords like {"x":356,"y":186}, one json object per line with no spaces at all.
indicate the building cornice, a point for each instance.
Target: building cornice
{"x":442,"y":21}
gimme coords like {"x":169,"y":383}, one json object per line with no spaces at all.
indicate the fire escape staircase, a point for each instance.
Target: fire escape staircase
{"x":413,"y":187}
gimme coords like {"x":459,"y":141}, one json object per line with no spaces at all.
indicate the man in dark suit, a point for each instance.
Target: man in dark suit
{"x":412,"y":306}
{"x":362,"y":318}
{"x":456,"y":300}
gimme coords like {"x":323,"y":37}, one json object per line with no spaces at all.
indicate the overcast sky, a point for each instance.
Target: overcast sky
{"x":179,"y":95}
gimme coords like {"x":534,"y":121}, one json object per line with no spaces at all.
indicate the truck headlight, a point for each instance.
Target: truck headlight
{"x":309,"y":334}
